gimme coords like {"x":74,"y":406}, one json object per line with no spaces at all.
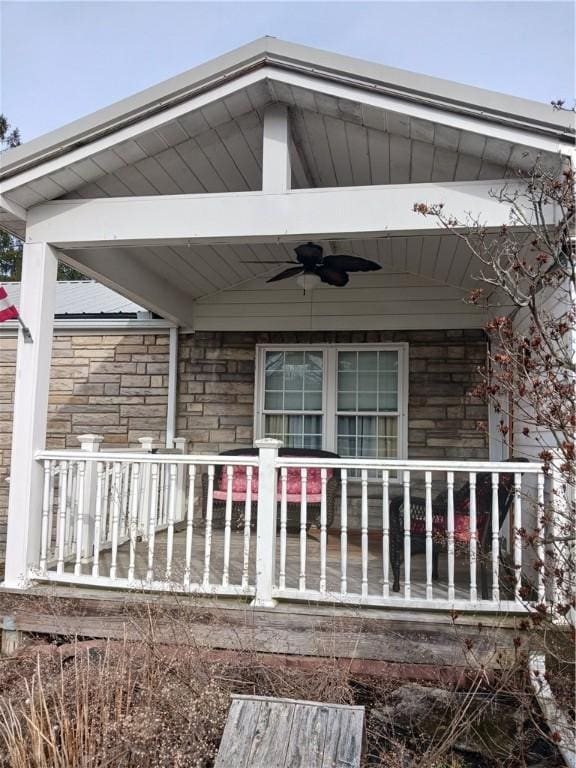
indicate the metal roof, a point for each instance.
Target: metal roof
{"x":271,"y":52}
{"x":82,"y":297}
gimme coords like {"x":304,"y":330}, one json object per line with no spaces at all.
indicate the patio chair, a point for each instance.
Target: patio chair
{"x":439,"y":523}
{"x":293,"y":489}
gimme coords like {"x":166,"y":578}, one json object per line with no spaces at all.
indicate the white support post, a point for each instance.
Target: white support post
{"x":266,"y":521}
{"x":276,"y":171}
{"x":90,"y":444}
{"x":39,"y":269}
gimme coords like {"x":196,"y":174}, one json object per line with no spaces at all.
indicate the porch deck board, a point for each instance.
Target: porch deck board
{"x":333,"y":564}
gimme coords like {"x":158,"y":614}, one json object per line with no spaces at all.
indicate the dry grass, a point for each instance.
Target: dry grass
{"x":141,"y":704}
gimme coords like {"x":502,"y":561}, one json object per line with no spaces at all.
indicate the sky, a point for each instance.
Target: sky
{"x":62,"y":60}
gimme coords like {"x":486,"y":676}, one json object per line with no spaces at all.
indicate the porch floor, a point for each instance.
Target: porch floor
{"x":333,"y":563}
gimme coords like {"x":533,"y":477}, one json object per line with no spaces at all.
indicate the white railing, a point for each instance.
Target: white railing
{"x":481,"y":520}
{"x":142,"y":520}
{"x":422,"y":534}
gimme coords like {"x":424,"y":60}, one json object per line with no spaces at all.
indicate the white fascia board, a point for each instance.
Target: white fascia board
{"x":328,"y":213}
{"x":94,"y":326}
{"x":436,"y":113}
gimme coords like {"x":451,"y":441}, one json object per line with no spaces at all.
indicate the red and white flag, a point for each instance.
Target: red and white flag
{"x":7,"y":310}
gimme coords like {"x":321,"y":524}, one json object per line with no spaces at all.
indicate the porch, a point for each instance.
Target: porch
{"x":187,"y":200}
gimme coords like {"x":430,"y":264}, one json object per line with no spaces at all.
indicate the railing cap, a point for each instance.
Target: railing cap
{"x":268,"y":442}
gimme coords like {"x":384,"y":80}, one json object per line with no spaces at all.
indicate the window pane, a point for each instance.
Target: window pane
{"x":295,"y":431}
{"x":293,"y":401}
{"x":313,"y":401}
{"x":367,"y":361}
{"x":347,"y":382}
{"x":274,"y":379}
{"x":347,"y":401}
{"x":367,"y":401}
{"x":388,"y":361}
{"x":368,"y":381}
{"x":273,"y":401}
{"x":388,"y":401}
{"x":347,"y":447}
{"x":347,"y":361}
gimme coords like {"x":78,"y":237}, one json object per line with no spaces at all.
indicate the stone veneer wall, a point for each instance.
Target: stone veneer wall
{"x":216,"y":388}
{"x":113,"y":385}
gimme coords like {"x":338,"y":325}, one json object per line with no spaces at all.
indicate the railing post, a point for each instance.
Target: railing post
{"x":181,"y":445}
{"x":147,"y":444}
{"x":266,"y":520}
{"x":90,"y":444}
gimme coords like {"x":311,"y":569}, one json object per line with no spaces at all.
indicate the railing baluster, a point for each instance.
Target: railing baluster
{"x":364,"y":532}
{"x":152,"y":520}
{"x":81,"y":471}
{"x":429,"y":543}
{"x":51,"y":547}
{"x":517,"y":523}
{"x":247,"y":523}
{"x":407,"y":535}
{"x":172,"y":475}
{"x":45,"y":511}
{"x":450,"y":534}
{"x":283,"y":519}
{"x":303,"y":515}
{"x":189,"y":522}
{"x":473,"y":538}
{"x":62,"y":493}
{"x":540,"y":553}
{"x":125,"y":519}
{"x":227,"y":526}
{"x":323,"y":533}
{"x":165,"y":494}
{"x":344,"y":532}
{"x":385,"y":533}
{"x":208,"y":529}
{"x":133,"y":521}
{"x":70,"y":496}
{"x":100,"y":480}
{"x":495,"y":538}
{"x":116,"y":503}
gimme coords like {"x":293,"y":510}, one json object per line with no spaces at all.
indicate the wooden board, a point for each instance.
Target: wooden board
{"x":283,"y":733}
{"x":382,"y":637}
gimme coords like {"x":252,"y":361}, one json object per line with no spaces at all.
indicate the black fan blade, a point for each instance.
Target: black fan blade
{"x":309,"y":255}
{"x":331,"y":276}
{"x":286,"y":273}
{"x":344,"y":263}
{"x":268,"y":262}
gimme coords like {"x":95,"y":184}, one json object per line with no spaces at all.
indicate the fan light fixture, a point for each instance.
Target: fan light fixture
{"x":308,"y":281}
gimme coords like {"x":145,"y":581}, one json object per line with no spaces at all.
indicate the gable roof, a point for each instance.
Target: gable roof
{"x":271,"y":52}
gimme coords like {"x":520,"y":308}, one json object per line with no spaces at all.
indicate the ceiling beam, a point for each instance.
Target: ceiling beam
{"x":128,"y":275}
{"x":250,"y":217}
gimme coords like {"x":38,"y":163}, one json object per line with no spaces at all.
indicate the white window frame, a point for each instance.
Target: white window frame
{"x":330,"y":386}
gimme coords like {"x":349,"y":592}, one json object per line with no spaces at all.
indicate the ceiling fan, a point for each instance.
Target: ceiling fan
{"x":331,"y":269}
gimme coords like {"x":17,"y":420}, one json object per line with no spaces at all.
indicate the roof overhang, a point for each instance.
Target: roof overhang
{"x":272,"y":54}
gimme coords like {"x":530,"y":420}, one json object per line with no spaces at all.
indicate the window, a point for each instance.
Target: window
{"x":344,"y":398}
